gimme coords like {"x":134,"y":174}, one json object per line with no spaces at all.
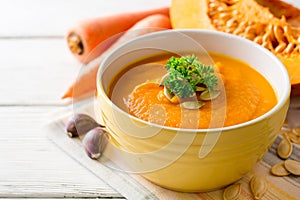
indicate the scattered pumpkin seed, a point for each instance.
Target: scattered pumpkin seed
{"x":285,"y":147}
{"x":292,"y":166}
{"x":279,"y":170}
{"x":297,"y":142}
{"x":285,"y":123}
{"x":288,"y":131}
{"x":293,"y":137}
{"x":192,"y":105}
{"x":258,"y":186}
{"x":296,"y":131}
{"x":206,"y":95}
{"x":232,"y":192}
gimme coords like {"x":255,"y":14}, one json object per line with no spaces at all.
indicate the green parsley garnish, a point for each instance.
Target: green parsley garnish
{"x":186,"y":74}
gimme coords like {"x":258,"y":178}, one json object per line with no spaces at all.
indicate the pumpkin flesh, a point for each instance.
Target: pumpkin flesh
{"x":248,"y":19}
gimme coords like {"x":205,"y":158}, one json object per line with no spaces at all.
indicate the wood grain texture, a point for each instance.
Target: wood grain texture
{"x":53,"y":17}
{"x":32,"y":166}
{"x":35,"y":71}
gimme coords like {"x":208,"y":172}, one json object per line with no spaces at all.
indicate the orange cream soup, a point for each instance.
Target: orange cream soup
{"x":247,"y":95}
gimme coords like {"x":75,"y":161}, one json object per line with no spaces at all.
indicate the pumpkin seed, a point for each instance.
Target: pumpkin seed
{"x":192,"y":105}
{"x":258,"y":186}
{"x":287,"y":131}
{"x":285,"y":147}
{"x":292,"y":166}
{"x":296,"y":130}
{"x":297,"y":142}
{"x":232,"y":192}
{"x":279,"y":170}
{"x":200,"y":89}
{"x":174,"y":99}
{"x":161,"y":83}
{"x":280,"y":33}
{"x":206,"y":95}
{"x":293,"y":137}
{"x":285,"y":123}
{"x":168,"y":93}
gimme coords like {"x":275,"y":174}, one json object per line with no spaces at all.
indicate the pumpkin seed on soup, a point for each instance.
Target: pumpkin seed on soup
{"x":207,"y":95}
{"x":200,"y":89}
{"x":168,"y":93}
{"x":192,"y":104}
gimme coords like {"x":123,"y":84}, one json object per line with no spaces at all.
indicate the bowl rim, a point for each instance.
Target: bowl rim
{"x":280,"y":102}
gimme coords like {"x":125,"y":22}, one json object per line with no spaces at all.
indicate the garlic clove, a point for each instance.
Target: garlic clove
{"x":79,"y":124}
{"x":95,"y":142}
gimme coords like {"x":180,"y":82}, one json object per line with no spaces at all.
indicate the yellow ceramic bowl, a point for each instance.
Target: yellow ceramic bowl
{"x":191,"y":160}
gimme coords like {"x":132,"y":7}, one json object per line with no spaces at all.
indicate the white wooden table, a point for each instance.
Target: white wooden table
{"x":35,"y":69}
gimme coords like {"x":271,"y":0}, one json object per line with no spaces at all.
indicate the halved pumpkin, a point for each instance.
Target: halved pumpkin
{"x":247,"y":18}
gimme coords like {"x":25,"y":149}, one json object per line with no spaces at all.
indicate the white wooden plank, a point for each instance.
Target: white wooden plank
{"x":32,"y":166}
{"x":53,"y":17}
{"x":21,"y":18}
{"x":35,"y":71}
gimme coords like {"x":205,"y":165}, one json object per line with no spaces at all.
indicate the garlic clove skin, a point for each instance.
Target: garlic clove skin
{"x":80,"y":124}
{"x":95,"y":142}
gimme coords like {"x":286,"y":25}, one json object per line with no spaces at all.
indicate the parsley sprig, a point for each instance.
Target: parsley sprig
{"x":186,"y":73}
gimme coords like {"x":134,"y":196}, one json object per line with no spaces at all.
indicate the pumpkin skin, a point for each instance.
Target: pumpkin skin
{"x":198,"y":14}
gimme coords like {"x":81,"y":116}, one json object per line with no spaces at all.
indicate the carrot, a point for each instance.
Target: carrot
{"x":86,"y":82}
{"x":86,"y":35}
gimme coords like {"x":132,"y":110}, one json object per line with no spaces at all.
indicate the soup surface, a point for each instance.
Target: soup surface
{"x":245,"y":94}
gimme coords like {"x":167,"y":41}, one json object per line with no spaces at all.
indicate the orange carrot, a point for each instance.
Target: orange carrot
{"x":86,"y":35}
{"x":86,"y":82}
